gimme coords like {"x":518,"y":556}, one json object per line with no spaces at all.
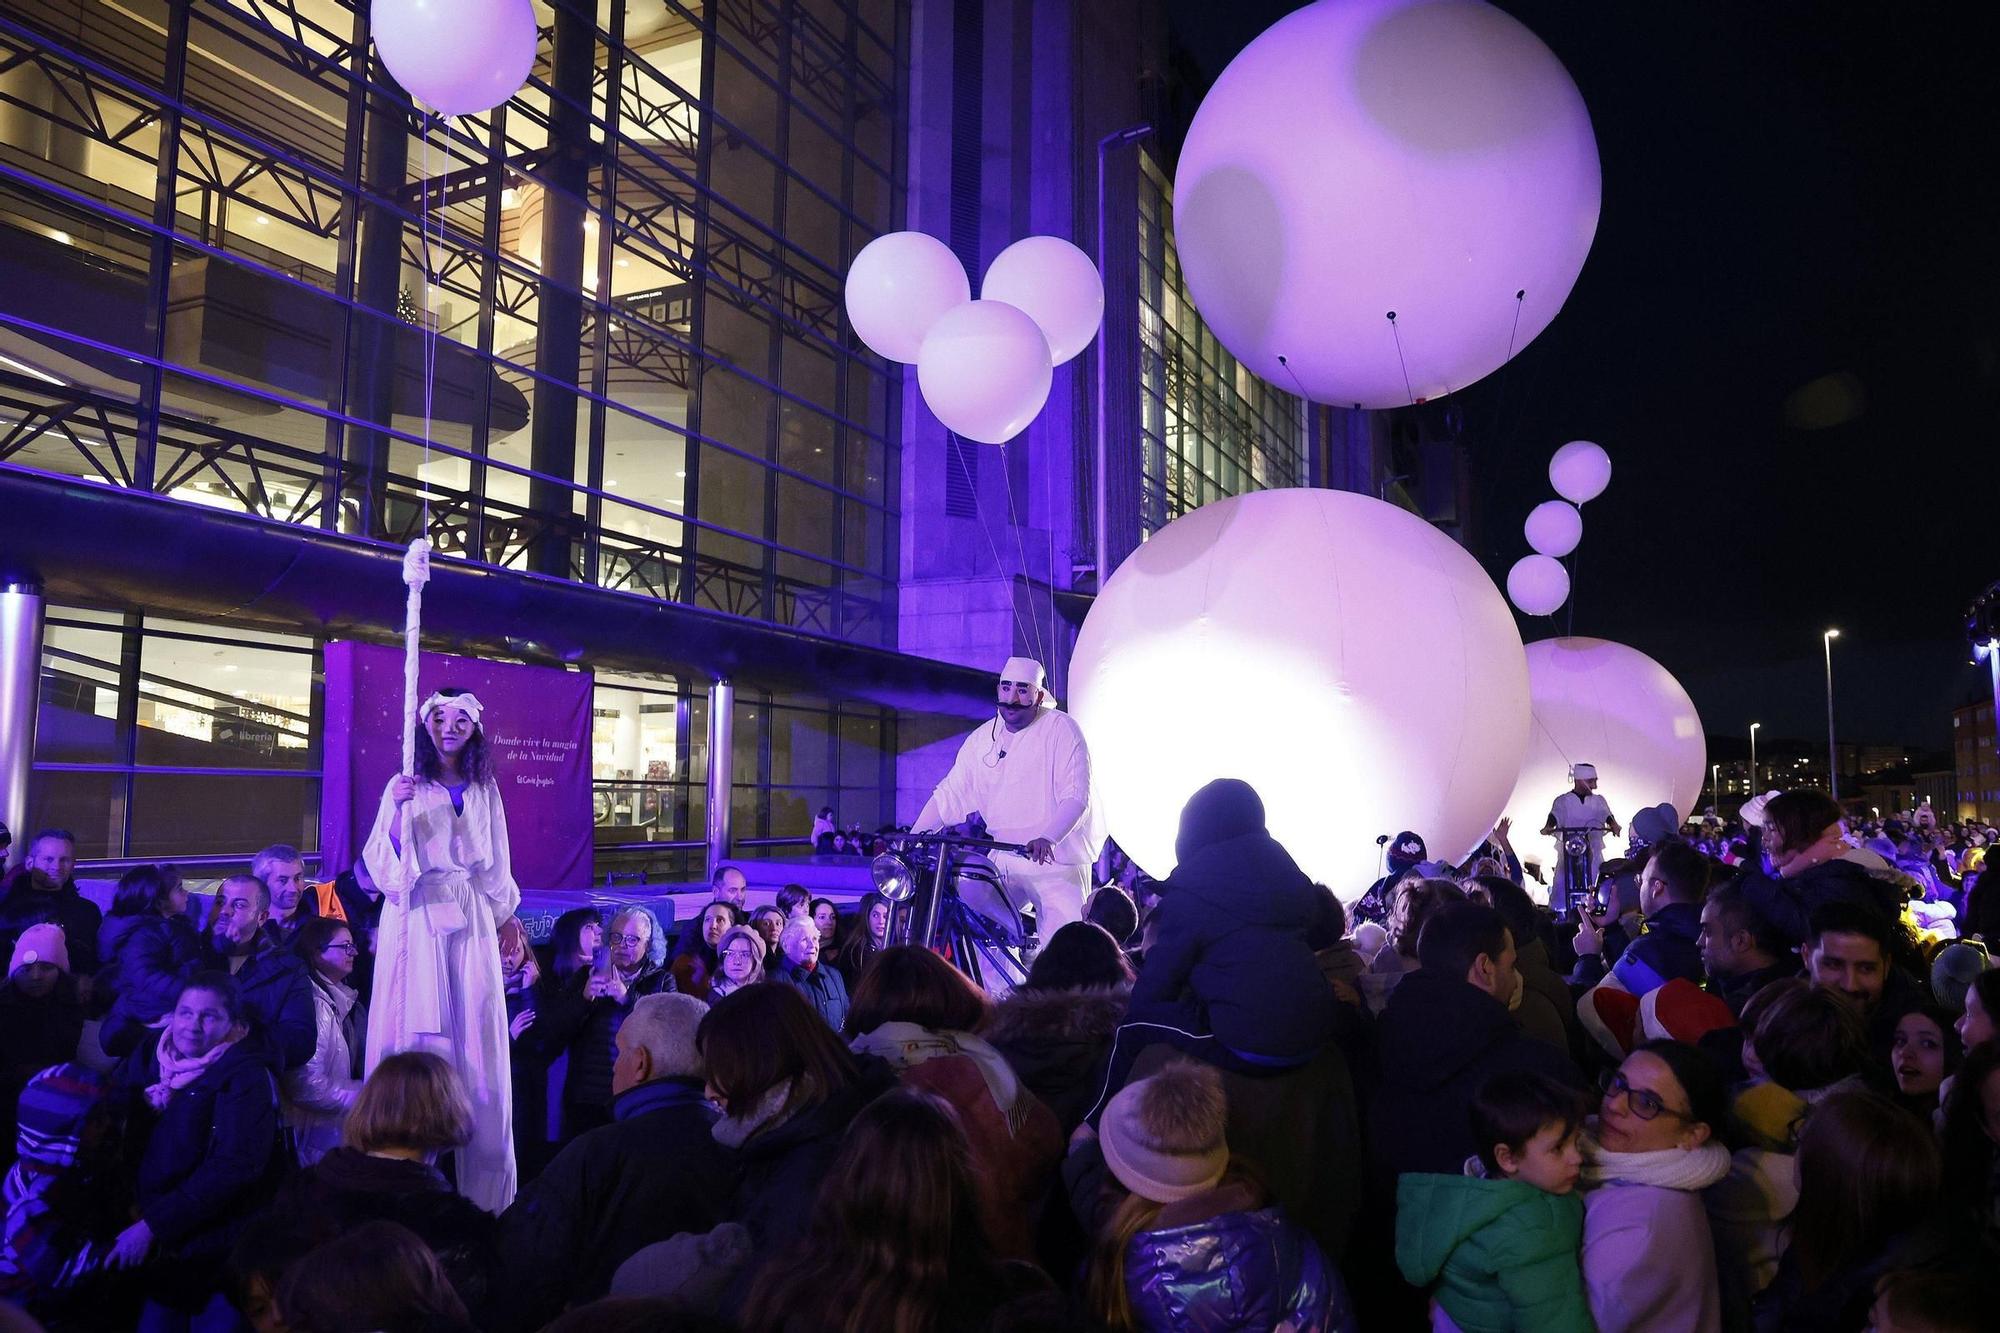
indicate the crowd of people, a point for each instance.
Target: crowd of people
{"x":1759,"y":1090}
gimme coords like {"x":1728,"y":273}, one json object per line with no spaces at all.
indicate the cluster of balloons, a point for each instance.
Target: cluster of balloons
{"x":984,"y":366}
{"x":1538,"y":584}
{"x":1382,"y":201}
{"x":460,"y":57}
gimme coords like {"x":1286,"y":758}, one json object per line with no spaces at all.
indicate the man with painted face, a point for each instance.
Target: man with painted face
{"x":439,"y":853}
{"x":1027,"y":773}
{"x":1579,"y":808}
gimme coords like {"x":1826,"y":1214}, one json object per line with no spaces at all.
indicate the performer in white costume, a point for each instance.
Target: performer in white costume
{"x":1579,"y":808}
{"x":1027,"y":773}
{"x":439,"y":852}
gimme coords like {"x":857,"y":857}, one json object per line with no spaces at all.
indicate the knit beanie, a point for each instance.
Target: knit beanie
{"x":40,"y":944}
{"x":1163,"y":1137}
{"x":1406,"y":849}
{"x":1226,"y":808}
{"x":1953,"y":971}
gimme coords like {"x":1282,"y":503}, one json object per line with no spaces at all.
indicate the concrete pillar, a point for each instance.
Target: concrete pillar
{"x":21,"y":612}
{"x":721,"y":778}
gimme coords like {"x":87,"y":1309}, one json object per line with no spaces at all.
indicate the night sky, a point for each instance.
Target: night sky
{"x":1785,"y":335}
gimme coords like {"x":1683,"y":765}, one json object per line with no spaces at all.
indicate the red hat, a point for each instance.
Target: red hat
{"x":1610,"y":1013}
{"x":1682,"y":1011}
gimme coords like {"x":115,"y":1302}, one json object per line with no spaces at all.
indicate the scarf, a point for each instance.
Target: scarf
{"x":1664,"y":1168}
{"x":177,"y":1070}
{"x":733,"y":1130}
{"x":907,"y":1044}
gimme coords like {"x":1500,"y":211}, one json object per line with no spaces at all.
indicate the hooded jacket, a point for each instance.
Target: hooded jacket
{"x":1231,"y":934}
{"x":1237,"y":1270}
{"x":1503,"y":1253}
{"x":1059,"y":1042}
{"x":1440,"y":1038}
{"x":142,"y":960}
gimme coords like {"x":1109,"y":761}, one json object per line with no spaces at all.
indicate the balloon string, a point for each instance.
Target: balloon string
{"x":957,"y":447}
{"x":1020,"y":548}
{"x":1397,"y":333}
{"x":1575,"y":564}
{"x":1519,"y":298}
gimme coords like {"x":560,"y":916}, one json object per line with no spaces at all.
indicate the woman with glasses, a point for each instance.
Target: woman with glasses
{"x":584,"y":1014}
{"x":742,"y":962}
{"x":1648,"y":1255}
{"x":317,"y":1095}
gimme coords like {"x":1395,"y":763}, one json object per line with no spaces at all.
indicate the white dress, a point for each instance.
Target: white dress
{"x":1028,"y":784}
{"x":437,"y":961}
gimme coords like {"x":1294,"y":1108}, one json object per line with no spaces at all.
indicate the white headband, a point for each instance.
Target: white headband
{"x":467,"y":703}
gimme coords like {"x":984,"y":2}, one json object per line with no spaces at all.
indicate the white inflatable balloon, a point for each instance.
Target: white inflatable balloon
{"x":985,"y":372}
{"x":898,"y":287}
{"x":1056,"y":285}
{"x":1538,"y":585}
{"x":1426,"y":157}
{"x":1554,"y":528}
{"x":1602,"y":703}
{"x":460,"y":56}
{"x":1580,"y":471}
{"x":1341,"y":655}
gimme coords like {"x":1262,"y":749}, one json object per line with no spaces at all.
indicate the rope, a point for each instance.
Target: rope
{"x":1021,"y":549}
{"x":956,"y":447}
{"x":1397,"y":333}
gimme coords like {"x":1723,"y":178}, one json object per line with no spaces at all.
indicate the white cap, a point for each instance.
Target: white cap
{"x":1583,"y":772}
{"x":1027,"y":671}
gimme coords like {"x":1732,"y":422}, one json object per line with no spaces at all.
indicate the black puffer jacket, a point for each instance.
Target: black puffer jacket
{"x":1059,"y":1042}
{"x":1787,"y":905}
{"x":1230,"y":943}
{"x":589,"y":1030}
{"x":142,"y":961}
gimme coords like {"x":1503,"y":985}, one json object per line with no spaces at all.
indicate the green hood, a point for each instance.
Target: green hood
{"x":1501,"y":1254}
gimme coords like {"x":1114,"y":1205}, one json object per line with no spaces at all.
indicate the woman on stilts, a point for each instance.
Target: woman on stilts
{"x":439,"y":851}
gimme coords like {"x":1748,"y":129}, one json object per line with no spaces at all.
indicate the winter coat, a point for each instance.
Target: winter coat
{"x":655,"y":1171}
{"x":1016,"y":1141}
{"x":23,"y":905}
{"x":1735,"y":991}
{"x":277,"y":995}
{"x":779,"y":1169}
{"x":1441,"y":1038}
{"x":319,"y":1093}
{"x":1234,"y":1273}
{"x":1666,"y":949}
{"x":1230,"y":935}
{"x":210,"y":1155}
{"x":1059,"y":1041}
{"x":1503,"y":1253}
{"x":1648,"y":1253}
{"x":347,"y":1187}
{"x":142,"y":961}
{"x":823,"y":987}
{"x":1787,"y":905}
{"x":35,"y":1033}
{"x":589,"y":1029}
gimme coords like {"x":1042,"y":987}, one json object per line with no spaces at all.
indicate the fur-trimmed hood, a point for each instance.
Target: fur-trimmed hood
{"x":1077,"y":1014}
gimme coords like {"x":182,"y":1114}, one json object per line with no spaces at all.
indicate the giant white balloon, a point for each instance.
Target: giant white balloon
{"x":1554,"y":528}
{"x":1427,"y":157}
{"x":984,"y":370}
{"x":1601,"y":703}
{"x":1580,"y":471}
{"x":1341,"y":655}
{"x":1054,"y":284}
{"x":1538,"y":585}
{"x":460,"y":56}
{"x":898,"y":287}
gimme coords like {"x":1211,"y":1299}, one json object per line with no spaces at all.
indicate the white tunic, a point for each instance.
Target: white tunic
{"x":1028,"y":784}
{"x":437,"y":963}
{"x":1572,"y":811}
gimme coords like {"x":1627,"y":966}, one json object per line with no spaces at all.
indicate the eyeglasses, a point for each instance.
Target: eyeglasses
{"x":739,"y":953}
{"x":1646,"y":1105}
{"x":349,"y":948}
{"x":633,"y":940}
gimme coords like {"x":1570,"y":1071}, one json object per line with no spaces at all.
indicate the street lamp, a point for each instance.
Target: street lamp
{"x":1100,"y":509}
{"x":1832,"y":761}
{"x":1753,"y":756}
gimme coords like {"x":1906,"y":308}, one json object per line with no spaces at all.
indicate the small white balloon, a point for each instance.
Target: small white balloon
{"x":898,"y":287}
{"x":461,"y":57}
{"x":1056,"y":285}
{"x":1538,"y":585}
{"x":1554,"y":528}
{"x":1580,"y":471}
{"x":985,"y":371}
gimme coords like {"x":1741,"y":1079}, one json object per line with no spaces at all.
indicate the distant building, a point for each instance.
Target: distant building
{"x":1976,"y":761}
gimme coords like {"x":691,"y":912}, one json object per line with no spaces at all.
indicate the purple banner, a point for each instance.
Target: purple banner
{"x":537,"y":725}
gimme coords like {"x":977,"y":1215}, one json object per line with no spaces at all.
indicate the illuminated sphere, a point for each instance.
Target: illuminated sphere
{"x":1554,"y":528}
{"x":460,"y":56}
{"x":984,"y":370}
{"x":899,"y":287}
{"x":1055,"y":284}
{"x":1580,"y":471}
{"x":1427,"y":157}
{"x":1341,"y":655}
{"x":1597,"y":702}
{"x":1538,"y":585}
